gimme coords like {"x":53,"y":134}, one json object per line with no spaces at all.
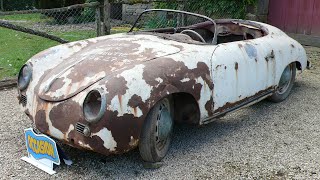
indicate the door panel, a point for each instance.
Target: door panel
{"x":241,"y":70}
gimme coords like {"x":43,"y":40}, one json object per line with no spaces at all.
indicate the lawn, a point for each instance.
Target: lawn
{"x":33,"y":18}
{"x":17,"y":47}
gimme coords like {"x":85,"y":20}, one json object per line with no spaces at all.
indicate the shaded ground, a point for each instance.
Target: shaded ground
{"x":266,"y":140}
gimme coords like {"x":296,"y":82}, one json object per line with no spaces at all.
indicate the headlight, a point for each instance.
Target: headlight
{"x":94,"y":106}
{"x":24,"y":77}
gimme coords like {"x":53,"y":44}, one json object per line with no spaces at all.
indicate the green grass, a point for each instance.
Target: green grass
{"x":116,"y":30}
{"x":16,"y":48}
{"x":32,"y":18}
{"x":75,"y":35}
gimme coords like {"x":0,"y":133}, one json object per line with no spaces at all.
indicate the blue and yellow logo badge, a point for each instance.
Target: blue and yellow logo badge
{"x":41,"y":146}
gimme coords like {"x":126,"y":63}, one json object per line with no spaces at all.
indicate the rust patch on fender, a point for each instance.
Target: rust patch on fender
{"x":116,"y":87}
{"x":40,"y":121}
{"x":236,"y":66}
{"x":64,"y":114}
{"x":173,"y":72}
{"x":209,"y":106}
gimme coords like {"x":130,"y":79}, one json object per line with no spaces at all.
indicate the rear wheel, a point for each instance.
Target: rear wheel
{"x":285,"y":84}
{"x":157,"y":132}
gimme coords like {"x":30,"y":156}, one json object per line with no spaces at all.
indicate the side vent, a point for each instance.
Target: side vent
{"x":23,"y":100}
{"x":83,"y":129}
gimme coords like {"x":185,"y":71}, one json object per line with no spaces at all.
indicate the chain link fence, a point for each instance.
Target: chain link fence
{"x":78,"y":22}
{"x":73,"y":23}
{"x":66,"y":24}
{"x":123,"y":15}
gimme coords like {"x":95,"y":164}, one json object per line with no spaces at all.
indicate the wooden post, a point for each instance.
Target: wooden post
{"x":1,"y":5}
{"x":263,"y":10}
{"x":102,"y":27}
{"x":106,"y":19}
{"x":182,"y":17}
{"x":98,"y":20}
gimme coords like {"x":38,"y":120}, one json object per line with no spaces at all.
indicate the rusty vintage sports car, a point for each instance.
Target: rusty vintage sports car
{"x":114,"y":93}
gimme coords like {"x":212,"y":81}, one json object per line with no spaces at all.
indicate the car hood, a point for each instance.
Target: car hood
{"x":94,"y":59}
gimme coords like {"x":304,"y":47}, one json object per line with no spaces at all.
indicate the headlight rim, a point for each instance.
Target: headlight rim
{"x":103,"y":106}
{"x":23,"y":86}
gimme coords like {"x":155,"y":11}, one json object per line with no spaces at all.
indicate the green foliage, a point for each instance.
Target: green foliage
{"x":49,"y":4}
{"x":87,"y":15}
{"x":60,"y":17}
{"x":213,"y":8}
{"x":166,"y":5}
{"x":159,"y":22}
{"x":12,"y":5}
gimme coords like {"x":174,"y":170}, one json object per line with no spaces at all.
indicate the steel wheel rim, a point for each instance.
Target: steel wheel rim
{"x":285,"y":80}
{"x":163,"y":126}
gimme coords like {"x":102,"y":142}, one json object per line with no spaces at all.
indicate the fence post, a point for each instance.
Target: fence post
{"x":182,"y":18}
{"x":98,"y":20}
{"x":1,"y":5}
{"x":263,"y":10}
{"x":106,"y":18}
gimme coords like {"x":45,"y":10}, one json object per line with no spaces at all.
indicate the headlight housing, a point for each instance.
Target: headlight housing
{"x":94,"y":106}
{"x":24,"y":77}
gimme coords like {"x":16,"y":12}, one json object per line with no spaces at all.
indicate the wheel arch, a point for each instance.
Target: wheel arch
{"x":186,"y":108}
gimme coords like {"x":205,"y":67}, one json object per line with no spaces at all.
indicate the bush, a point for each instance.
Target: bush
{"x":15,"y":5}
{"x":60,"y":17}
{"x":213,"y":8}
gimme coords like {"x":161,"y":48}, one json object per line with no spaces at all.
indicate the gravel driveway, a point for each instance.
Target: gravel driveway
{"x":266,"y":140}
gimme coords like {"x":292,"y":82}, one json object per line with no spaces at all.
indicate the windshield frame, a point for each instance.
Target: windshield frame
{"x":176,"y":11}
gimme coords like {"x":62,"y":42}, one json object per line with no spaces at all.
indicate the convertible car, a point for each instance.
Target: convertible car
{"x":114,"y":93}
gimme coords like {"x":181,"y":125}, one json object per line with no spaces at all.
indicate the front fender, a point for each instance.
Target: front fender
{"x":135,"y":91}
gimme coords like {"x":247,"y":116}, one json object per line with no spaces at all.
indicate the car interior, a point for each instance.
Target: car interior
{"x":203,"y":33}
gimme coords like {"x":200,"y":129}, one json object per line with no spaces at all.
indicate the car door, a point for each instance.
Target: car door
{"x":242,"y":71}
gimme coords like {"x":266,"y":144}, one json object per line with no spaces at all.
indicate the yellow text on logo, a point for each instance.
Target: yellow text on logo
{"x":40,"y":147}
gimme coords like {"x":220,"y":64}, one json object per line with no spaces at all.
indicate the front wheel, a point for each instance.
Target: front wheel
{"x":285,"y":84}
{"x":157,"y":132}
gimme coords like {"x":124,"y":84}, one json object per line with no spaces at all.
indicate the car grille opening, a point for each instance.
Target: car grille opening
{"x":82,"y":129}
{"x":23,"y":100}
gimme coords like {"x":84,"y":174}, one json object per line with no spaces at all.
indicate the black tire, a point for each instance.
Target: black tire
{"x":283,"y":90}
{"x":153,"y":144}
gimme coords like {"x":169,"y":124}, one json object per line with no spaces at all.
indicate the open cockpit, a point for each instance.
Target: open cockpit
{"x":193,"y":28}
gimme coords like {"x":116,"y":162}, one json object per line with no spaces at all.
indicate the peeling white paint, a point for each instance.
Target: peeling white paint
{"x":185,"y":80}
{"x":71,"y":128}
{"x":82,"y":144}
{"x":136,"y":85}
{"x":108,"y":141}
{"x":206,"y":94}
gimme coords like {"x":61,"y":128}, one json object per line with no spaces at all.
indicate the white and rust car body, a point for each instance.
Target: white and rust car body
{"x":133,"y":71}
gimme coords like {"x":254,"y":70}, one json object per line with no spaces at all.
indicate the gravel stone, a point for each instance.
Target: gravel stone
{"x":263,"y":141}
